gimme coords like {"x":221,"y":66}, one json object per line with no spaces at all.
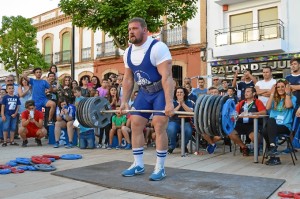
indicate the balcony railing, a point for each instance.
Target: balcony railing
{"x":86,"y":54}
{"x":107,"y":49}
{"x":49,"y":59}
{"x":176,"y":36}
{"x":251,"y":32}
{"x":63,"y":57}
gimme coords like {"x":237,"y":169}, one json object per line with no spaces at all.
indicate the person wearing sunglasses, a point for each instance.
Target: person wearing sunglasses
{"x":281,"y":105}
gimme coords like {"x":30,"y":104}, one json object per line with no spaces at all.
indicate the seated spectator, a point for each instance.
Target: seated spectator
{"x":66,"y":90}
{"x":65,"y":116}
{"x":191,"y":95}
{"x":181,"y":103}
{"x":244,"y":126}
{"x":32,"y":124}
{"x":86,"y":136}
{"x":213,"y":91}
{"x":281,"y":105}
{"x":201,"y":90}
{"x":9,"y":112}
{"x":225,"y":85}
{"x":118,"y":121}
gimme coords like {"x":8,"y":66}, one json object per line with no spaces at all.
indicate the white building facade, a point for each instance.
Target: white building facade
{"x":252,"y":34}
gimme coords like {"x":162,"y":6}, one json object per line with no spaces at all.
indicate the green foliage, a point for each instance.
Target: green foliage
{"x":18,"y":51}
{"x":112,"y":16}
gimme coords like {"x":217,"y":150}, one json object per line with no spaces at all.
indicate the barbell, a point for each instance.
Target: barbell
{"x":212,"y":115}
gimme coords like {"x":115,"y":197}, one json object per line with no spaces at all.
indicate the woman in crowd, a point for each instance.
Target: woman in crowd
{"x":181,"y":103}
{"x":74,"y":83}
{"x":83,"y":83}
{"x":66,"y":90}
{"x":281,"y":105}
{"x":24,"y":92}
{"x":96,"y":82}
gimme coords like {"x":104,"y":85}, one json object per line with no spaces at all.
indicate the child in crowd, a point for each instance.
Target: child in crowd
{"x":9,"y":112}
{"x":118,"y":121}
{"x":231,"y":94}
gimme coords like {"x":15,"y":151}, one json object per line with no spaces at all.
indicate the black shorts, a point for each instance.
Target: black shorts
{"x":245,"y":128}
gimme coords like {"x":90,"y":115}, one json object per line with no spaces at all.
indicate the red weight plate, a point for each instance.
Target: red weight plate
{"x":286,"y":194}
{"x":40,"y":160}
{"x":297,"y":195}
{"x":5,"y":167}
{"x":15,"y":170}
{"x":52,"y":156}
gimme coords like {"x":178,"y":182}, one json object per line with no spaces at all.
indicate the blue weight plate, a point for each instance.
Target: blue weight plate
{"x":26,"y":161}
{"x":45,"y":167}
{"x":227,"y":111}
{"x":5,"y":171}
{"x":71,"y":156}
{"x":196,"y":113}
{"x":207,"y":114}
{"x":31,"y":168}
{"x":219,"y":115}
{"x":213,"y":116}
{"x":12,"y":163}
{"x":52,"y":159}
{"x":25,"y":168}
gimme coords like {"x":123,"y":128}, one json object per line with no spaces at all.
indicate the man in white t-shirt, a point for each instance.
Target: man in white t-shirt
{"x":263,"y":87}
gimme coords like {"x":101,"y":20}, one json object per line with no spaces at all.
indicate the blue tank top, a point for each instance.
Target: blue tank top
{"x":145,"y":73}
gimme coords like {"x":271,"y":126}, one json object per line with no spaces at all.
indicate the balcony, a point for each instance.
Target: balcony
{"x":250,"y":39}
{"x":48,"y":59}
{"x":107,"y":50}
{"x":176,"y":37}
{"x":229,"y":2}
{"x":86,"y":54}
{"x":63,"y":57}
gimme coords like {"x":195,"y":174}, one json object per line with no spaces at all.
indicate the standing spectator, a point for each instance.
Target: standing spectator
{"x":131,"y":101}
{"x":281,"y":105}
{"x":66,"y":90}
{"x":25,"y":93}
{"x":52,"y":93}
{"x":248,"y":81}
{"x":186,"y":81}
{"x":102,"y":91}
{"x":225,"y":85}
{"x":120,"y":87}
{"x":65,"y":116}
{"x":231,"y":94}
{"x":181,"y":103}
{"x":9,"y":112}
{"x":113,"y":78}
{"x":216,"y":82}
{"x":74,"y":83}
{"x":83,"y":83}
{"x":2,"y":94}
{"x":294,"y":79}
{"x":53,"y":69}
{"x":10,"y":79}
{"x":32,"y":124}
{"x":263,"y":87}
{"x":201,"y":90}
{"x":39,"y":87}
{"x":96,"y":82}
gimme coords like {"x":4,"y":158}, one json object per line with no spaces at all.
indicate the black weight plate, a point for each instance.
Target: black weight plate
{"x":86,"y":112}
{"x":201,"y":113}
{"x":79,"y":113}
{"x":83,"y":114}
{"x":219,"y":116}
{"x":97,"y":118}
{"x":213,"y":117}
{"x":196,"y":113}
{"x":207,"y":113}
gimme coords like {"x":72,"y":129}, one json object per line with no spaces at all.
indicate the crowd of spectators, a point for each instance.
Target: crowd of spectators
{"x":23,"y":104}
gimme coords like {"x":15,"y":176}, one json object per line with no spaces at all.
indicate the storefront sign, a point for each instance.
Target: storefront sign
{"x":255,"y":67}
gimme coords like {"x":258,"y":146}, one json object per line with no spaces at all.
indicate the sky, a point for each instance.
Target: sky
{"x":26,"y":8}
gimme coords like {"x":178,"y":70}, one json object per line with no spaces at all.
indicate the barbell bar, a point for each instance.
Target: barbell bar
{"x":147,"y":111}
{"x":220,"y":119}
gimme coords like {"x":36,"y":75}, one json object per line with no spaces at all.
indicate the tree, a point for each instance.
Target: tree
{"x":18,"y":51}
{"x":112,"y":16}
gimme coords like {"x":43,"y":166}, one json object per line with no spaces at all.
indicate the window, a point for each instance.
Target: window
{"x":48,"y":50}
{"x":177,"y":73}
{"x":239,"y":24}
{"x":268,"y":22}
{"x":66,"y":45}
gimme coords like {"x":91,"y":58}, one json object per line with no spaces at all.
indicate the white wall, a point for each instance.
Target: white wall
{"x":193,"y":28}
